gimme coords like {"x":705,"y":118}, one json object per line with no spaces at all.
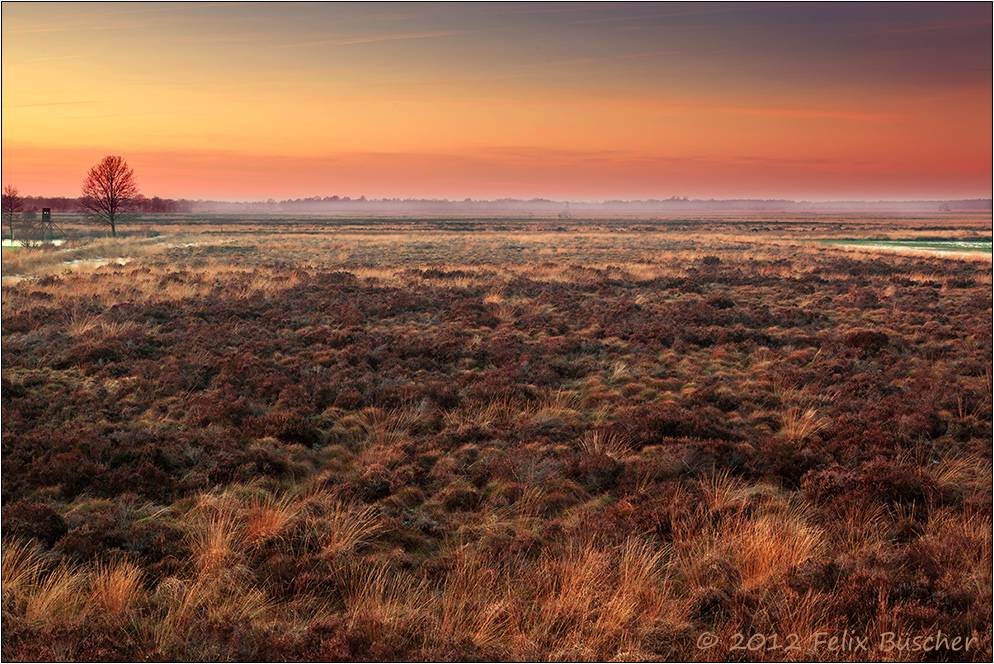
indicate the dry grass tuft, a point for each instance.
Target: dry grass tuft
{"x":215,"y":534}
{"x":610,"y":444}
{"x":377,"y":592}
{"x":81,"y":323}
{"x":720,"y":491}
{"x":473,"y":603}
{"x":113,"y":329}
{"x":767,"y":547}
{"x":752,"y":548}
{"x":116,"y":588}
{"x":799,"y":424}
{"x":22,"y":567}
{"x":960,"y":474}
{"x":500,"y":410}
{"x":344,"y":529}
{"x":380,"y":426}
{"x":859,"y":526}
{"x":65,"y":594}
{"x":192,"y":604}
{"x":57,"y":598}
{"x":267,"y":518}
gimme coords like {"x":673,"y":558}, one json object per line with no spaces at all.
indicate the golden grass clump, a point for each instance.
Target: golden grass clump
{"x":800,"y":424}
{"x":57,"y":597}
{"x":375,"y":426}
{"x":268,"y":517}
{"x":191,"y":604}
{"x":377,"y":592}
{"x":608,"y":443}
{"x":38,"y":594}
{"x":766,"y":547}
{"x":22,"y":570}
{"x":343,"y":529}
{"x":215,"y":532}
{"x":216,"y":542}
{"x":751,"y":537}
{"x":116,"y":588}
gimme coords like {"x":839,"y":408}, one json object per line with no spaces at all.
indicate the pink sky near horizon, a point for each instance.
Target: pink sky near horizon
{"x":577,"y":101}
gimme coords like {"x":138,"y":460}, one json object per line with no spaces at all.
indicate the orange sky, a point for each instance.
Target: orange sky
{"x":585,"y":101}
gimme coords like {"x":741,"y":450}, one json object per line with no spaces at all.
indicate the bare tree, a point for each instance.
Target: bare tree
{"x":12,"y":204}
{"x":110,"y":192}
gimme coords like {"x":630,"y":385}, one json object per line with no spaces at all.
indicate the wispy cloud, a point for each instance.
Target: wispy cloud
{"x":125,"y":115}
{"x":72,"y":29}
{"x":379,"y":38}
{"x":814,"y":113}
{"x":693,"y":12}
{"x":786,"y":112}
{"x":937,"y":26}
{"x":609,"y":58}
{"x":54,"y":103}
{"x":158,"y":8}
{"x":50,"y":59}
{"x":631,"y":17}
{"x":459,"y":79}
{"x":214,"y":39}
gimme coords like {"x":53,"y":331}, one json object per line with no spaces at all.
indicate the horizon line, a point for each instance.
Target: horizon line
{"x":334,"y":198}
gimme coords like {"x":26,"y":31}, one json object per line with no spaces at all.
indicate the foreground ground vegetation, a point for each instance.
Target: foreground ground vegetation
{"x":704,"y":439}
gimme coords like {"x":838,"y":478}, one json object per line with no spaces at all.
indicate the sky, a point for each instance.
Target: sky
{"x":580,"y":101}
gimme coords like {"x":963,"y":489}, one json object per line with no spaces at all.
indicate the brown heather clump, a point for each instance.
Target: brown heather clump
{"x":685,"y":439}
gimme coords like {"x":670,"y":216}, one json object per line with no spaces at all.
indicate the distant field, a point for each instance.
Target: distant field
{"x":855,"y":226}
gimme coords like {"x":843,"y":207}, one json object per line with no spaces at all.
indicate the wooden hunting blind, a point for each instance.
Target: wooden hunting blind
{"x":47,"y":228}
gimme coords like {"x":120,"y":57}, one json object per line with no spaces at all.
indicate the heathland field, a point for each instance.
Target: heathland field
{"x":688,"y":438}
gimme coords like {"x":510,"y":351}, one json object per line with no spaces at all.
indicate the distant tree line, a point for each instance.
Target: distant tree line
{"x":318,"y":204}
{"x":143,"y":204}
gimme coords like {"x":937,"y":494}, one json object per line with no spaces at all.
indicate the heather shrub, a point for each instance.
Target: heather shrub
{"x":407,"y":439}
{"x":890,"y":481}
{"x":867,"y":342}
{"x":29,"y":519}
{"x":829,"y":484}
